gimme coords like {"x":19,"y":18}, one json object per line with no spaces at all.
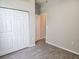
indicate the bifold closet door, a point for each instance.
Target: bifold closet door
{"x":14,"y":30}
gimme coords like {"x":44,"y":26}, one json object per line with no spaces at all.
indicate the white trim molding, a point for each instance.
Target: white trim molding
{"x":62,"y":48}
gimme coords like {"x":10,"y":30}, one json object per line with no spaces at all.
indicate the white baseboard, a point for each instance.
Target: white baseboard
{"x":62,"y":48}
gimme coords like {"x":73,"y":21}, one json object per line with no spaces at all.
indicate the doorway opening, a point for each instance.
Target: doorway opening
{"x":40,"y":24}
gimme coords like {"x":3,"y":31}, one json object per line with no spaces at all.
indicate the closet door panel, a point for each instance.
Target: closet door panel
{"x":14,"y":30}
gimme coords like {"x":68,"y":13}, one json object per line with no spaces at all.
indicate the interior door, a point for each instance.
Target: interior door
{"x":14,"y":30}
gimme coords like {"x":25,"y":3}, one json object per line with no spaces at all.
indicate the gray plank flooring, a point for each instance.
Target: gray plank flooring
{"x":41,"y":51}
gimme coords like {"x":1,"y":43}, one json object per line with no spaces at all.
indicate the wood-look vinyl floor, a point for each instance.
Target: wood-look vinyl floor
{"x":41,"y":51}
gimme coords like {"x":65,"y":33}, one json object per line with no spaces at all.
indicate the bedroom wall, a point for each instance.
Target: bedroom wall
{"x":63,"y":24}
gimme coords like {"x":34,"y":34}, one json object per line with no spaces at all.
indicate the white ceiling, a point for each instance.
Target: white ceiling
{"x":41,"y":1}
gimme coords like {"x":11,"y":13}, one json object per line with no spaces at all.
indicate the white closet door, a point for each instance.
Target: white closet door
{"x":14,"y":30}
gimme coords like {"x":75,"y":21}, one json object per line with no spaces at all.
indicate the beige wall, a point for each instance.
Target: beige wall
{"x":27,"y":5}
{"x":41,"y":26}
{"x":63,"y":23}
